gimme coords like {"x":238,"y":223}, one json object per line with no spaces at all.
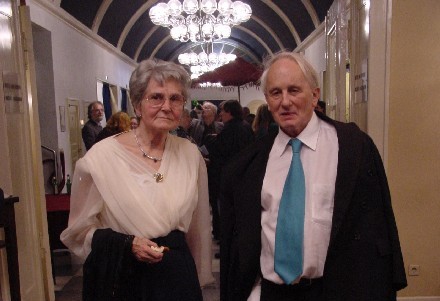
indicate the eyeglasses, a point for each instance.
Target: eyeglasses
{"x":157,"y":100}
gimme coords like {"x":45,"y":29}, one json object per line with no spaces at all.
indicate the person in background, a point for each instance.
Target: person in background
{"x":202,"y":131}
{"x":134,"y":122}
{"x":250,"y":119}
{"x":199,"y":111}
{"x":193,"y":114}
{"x":139,"y":205}
{"x":95,"y":113}
{"x":246,"y":112}
{"x":263,"y":122}
{"x":306,"y":213}
{"x":184,"y":124}
{"x":206,"y":127}
{"x":234,"y":137}
{"x":118,"y":123}
{"x":320,"y":107}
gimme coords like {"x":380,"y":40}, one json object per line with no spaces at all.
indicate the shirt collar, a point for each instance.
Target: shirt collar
{"x":309,"y":136}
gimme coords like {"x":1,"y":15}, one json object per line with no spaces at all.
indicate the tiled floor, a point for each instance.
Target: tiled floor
{"x":68,"y":278}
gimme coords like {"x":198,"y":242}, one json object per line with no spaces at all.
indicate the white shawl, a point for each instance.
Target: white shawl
{"x":113,"y":189}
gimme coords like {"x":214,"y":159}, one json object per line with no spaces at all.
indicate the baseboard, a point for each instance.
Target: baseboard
{"x":433,"y":298}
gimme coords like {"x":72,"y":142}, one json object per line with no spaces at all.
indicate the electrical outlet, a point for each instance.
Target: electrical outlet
{"x":414,"y":270}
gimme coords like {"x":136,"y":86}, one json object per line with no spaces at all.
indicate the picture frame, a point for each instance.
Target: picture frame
{"x":62,"y":118}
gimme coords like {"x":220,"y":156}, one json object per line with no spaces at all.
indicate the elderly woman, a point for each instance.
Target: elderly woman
{"x":139,"y":203}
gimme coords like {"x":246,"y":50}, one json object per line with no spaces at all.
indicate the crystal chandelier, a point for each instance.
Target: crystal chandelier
{"x":200,"y":20}
{"x":204,"y":62}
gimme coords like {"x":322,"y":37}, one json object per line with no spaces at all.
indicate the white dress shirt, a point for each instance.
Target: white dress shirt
{"x":319,"y":157}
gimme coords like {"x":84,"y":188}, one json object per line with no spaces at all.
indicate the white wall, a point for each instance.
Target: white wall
{"x":78,"y":63}
{"x":315,"y":54}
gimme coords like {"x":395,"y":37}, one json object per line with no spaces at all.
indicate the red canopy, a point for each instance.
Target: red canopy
{"x":236,"y":73}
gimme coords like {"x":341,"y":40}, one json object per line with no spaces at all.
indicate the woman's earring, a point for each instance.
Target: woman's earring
{"x":139,"y":116}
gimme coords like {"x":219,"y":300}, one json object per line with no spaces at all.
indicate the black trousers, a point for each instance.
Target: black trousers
{"x":306,"y":290}
{"x":214,"y":192}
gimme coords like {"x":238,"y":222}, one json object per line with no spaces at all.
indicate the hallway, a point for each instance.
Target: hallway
{"x":69,"y":277}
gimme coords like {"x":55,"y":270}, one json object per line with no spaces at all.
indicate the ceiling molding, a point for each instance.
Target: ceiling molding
{"x":285,"y":19}
{"x":256,"y":37}
{"x":100,"y":14}
{"x":156,"y":49}
{"x":132,"y":21}
{"x":144,"y":41}
{"x":269,"y":30}
{"x":311,"y":38}
{"x":312,"y":12}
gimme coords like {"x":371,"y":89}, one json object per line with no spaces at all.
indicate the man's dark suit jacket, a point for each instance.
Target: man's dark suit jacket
{"x":364,"y":259}
{"x":90,"y":132}
{"x":197,"y":129}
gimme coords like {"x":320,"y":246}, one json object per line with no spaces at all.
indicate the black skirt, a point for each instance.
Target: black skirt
{"x":173,"y":278}
{"x":111,"y":272}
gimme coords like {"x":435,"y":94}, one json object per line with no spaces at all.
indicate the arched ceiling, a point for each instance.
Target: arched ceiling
{"x":274,"y":26}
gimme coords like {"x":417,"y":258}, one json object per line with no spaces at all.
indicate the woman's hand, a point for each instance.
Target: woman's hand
{"x":142,"y":250}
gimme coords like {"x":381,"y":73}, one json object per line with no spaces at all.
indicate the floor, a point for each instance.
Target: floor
{"x":68,"y":280}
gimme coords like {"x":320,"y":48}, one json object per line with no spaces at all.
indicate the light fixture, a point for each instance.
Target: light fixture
{"x":210,"y":85}
{"x":205,"y":61}
{"x":200,"y":20}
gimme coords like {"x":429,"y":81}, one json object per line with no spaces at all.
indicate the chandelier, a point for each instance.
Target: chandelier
{"x":200,"y":20}
{"x":204,"y":62}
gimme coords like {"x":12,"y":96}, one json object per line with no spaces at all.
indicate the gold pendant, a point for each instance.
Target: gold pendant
{"x":158,"y":177}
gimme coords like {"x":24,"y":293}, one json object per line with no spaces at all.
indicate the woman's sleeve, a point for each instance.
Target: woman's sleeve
{"x":199,"y":233}
{"x":85,"y":205}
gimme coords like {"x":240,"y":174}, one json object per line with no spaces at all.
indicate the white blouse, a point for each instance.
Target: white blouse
{"x":113,"y":189}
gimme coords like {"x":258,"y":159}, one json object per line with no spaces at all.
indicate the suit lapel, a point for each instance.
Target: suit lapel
{"x":250,"y":175}
{"x":348,"y":168}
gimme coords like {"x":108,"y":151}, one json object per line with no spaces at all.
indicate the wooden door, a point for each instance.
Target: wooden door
{"x":74,"y":131}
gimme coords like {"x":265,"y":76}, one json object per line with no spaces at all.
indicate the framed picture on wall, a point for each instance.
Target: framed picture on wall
{"x":63,"y":118}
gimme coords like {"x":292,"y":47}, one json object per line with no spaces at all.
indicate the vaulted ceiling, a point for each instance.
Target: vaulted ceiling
{"x":274,"y":26}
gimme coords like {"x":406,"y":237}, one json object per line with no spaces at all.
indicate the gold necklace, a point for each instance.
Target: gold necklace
{"x":155,"y":159}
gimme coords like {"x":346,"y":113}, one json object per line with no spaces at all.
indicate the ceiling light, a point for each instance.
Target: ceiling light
{"x":205,"y":62}
{"x":200,"y":20}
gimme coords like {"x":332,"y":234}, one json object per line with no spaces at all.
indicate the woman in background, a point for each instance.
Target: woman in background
{"x":263,"y":122}
{"x":118,"y":123}
{"x":139,"y":203}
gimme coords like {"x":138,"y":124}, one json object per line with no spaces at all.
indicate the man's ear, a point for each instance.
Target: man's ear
{"x":268,"y":107}
{"x":316,"y":93}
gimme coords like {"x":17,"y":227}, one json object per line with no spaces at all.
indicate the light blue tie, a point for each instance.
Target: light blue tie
{"x":290,"y":224}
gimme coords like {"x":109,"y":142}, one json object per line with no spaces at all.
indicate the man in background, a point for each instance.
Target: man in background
{"x":184,"y":124}
{"x":320,"y":107}
{"x":95,"y":113}
{"x":234,"y":137}
{"x":203,"y":131}
{"x":205,"y":128}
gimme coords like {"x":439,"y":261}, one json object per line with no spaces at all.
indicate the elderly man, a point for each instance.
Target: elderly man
{"x":92,"y":128}
{"x":306,"y":213}
{"x":202,"y":129}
